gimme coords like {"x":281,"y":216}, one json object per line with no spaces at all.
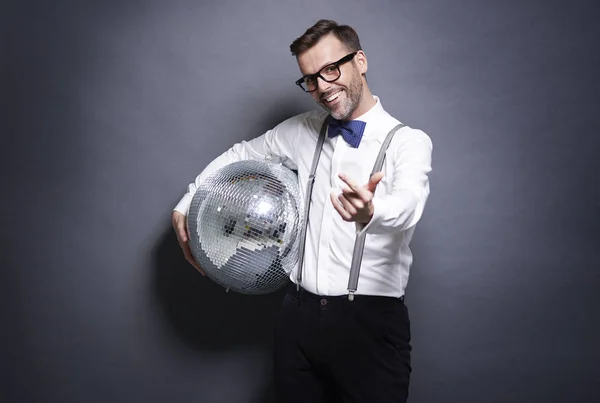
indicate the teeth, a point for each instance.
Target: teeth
{"x":334,"y":96}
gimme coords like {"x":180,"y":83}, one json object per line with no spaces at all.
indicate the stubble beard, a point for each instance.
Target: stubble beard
{"x":354,"y":94}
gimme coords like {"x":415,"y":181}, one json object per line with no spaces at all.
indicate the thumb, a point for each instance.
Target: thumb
{"x":374,"y":180}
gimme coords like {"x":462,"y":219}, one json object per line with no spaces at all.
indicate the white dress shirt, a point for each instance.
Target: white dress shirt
{"x":398,"y":202}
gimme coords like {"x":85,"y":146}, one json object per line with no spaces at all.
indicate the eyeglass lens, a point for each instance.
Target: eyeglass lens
{"x":329,"y":73}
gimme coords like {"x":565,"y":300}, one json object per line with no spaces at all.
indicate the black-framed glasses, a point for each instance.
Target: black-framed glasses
{"x":329,"y":73}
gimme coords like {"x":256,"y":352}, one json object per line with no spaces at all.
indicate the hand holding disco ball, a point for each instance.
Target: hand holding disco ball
{"x":179,"y":222}
{"x":244,"y":225}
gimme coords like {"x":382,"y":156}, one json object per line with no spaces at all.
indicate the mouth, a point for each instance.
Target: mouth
{"x":332,"y":98}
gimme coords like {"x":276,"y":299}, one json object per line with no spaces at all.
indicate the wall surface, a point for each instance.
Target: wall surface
{"x":109,"y":109}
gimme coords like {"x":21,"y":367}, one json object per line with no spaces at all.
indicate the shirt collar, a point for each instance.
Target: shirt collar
{"x":372,"y":116}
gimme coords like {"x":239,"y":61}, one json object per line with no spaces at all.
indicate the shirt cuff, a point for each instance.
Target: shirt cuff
{"x":378,"y":215}
{"x":184,"y":204}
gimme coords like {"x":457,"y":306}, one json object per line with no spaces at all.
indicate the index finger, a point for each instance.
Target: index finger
{"x":348,"y":181}
{"x":360,"y":191}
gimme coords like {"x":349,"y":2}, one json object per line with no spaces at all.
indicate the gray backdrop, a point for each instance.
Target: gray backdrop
{"x":110,"y":108}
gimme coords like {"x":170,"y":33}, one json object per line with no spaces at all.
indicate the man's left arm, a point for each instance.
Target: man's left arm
{"x":403,"y":206}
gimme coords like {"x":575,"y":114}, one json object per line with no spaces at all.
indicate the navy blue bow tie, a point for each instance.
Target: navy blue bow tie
{"x":352,"y":131}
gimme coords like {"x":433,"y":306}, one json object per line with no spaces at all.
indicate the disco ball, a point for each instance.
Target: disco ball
{"x":245,"y":221}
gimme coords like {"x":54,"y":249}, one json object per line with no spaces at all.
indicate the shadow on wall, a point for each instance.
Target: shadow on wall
{"x":206,"y":317}
{"x":202,"y":313}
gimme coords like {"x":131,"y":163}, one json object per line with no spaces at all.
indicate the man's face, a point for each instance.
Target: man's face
{"x":341,"y":97}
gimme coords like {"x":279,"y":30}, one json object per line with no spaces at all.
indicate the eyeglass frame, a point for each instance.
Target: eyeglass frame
{"x":318,"y":75}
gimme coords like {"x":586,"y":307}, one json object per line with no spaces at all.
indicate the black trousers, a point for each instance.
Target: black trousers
{"x":332,"y":350}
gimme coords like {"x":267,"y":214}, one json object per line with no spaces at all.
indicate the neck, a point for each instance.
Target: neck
{"x":366,"y":103}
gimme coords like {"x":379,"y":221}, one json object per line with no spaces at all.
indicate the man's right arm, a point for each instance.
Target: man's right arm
{"x":277,"y":144}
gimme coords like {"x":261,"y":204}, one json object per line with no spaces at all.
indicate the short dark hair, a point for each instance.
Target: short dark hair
{"x":346,"y":34}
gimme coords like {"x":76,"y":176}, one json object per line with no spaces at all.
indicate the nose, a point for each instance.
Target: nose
{"x":322,"y":85}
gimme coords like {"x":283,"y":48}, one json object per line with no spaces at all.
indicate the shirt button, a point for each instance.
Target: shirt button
{"x":323,"y":302}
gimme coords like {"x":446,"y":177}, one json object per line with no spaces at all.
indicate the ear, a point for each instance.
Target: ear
{"x":361,"y":62}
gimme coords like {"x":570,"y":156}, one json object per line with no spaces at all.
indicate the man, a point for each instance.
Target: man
{"x":329,"y":348}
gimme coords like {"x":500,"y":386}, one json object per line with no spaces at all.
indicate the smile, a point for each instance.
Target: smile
{"x":333,"y":97}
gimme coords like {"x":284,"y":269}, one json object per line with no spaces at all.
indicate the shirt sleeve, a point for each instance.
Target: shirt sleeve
{"x":277,"y":144}
{"x":403,"y":206}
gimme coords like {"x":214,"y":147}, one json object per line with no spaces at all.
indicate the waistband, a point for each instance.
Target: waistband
{"x":292,"y":289}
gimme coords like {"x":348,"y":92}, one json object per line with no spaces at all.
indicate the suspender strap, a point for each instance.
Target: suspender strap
{"x":309,"y":188}
{"x":359,"y":243}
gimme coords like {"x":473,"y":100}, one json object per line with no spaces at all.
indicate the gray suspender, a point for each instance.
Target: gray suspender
{"x":359,"y":243}
{"x":309,"y":188}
